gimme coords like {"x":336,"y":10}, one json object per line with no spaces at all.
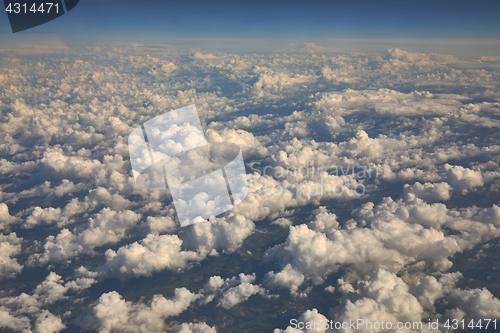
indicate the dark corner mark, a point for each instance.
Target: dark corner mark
{"x":26,"y":14}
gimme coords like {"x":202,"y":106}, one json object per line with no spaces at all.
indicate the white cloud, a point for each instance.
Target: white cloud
{"x":395,"y":236}
{"x":157,"y":252}
{"x":429,"y":192}
{"x":196,"y":328}
{"x":282,"y":222}
{"x":475,"y":303}
{"x":231,"y":291}
{"x":270,"y":83}
{"x":463,"y":179}
{"x":46,"y":322}
{"x":311,"y":321}
{"x":21,"y":312}
{"x":238,"y":294}
{"x":64,"y":153}
{"x":153,"y":253}
{"x":224,"y":233}
{"x":248,"y":143}
{"x":5,"y":218}
{"x":111,"y":313}
{"x":10,"y":246}
{"x":286,"y":278}
{"x":161,"y":223}
{"x":7,"y":320}
{"x":107,"y":227}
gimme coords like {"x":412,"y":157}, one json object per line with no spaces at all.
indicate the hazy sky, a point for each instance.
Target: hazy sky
{"x":159,"y":20}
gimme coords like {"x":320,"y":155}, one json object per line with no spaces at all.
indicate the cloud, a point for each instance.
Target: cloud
{"x":224,"y":233}
{"x":426,"y":120}
{"x":11,"y":322}
{"x":386,"y":101}
{"x":238,"y":294}
{"x":106,"y":227}
{"x":111,"y":313}
{"x":93,"y":200}
{"x":199,"y":55}
{"x":392,"y":293}
{"x":196,"y":328}
{"x":10,"y":245}
{"x":429,"y":192}
{"x":474,"y":304}
{"x":385,"y":297}
{"x":28,"y":311}
{"x":152,"y":254}
{"x":311,"y":320}
{"x":463,"y":179}
{"x":5,"y":218}
{"x":287,"y":278}
{"x":249,"y":144}
{"x":395,"y":236}
{"x":161,"y":223}
{"x":48,"y":323}
{"x":157,"y":252}
{"x":231,"y":291}
{"x":47,"y":47}
{"x":271,"y":84}
{"x":282,"y":222}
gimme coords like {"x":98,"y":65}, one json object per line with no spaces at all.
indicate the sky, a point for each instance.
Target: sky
{"x":167,"y":21}
{"x":84,"y":247}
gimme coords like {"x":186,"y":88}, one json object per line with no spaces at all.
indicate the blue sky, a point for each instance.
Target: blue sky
{"x":166,"y":21}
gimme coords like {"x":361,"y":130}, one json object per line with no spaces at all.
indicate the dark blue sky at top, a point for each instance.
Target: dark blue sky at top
{"x":164,"y":20}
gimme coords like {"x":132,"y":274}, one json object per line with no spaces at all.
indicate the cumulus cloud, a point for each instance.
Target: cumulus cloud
{"x":153,"y":253}
{"x":249,"y":144}
{"x":199,"y":55}
{"x":27,"y":312}
{"x":311,"y":321}
{"x":429,"y":192}
{"x":231,"y":291}
{"x":111,"y":313}
{"x":95,"y":199}
{"x":10,"y":246}
{"x":282,"y":222}
{"x":196,"y":328}
{"x":107,"y":227}
{"x":224,"y":233}
{"x":287,"y":278}
{"x":395,"y":236}
{"x":238,"y":294}
{"x":272,"y":195}
{"x":46,"y":322}
{"x":426,"y":120}
{"x":385,"y":297}
{"x":11,"y":322}
{"x":270,"y":83}
{"x":161,"y":223}
{"x":473,"y":304}
{"x":386,"y":101}
{"x":392,"y":294}
{"x":158,"y":252}
{"x":463,"y":179}
{"x":5,"y":218}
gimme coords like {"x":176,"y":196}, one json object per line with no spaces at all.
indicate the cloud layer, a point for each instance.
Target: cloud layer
{"x":378,"y":169}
